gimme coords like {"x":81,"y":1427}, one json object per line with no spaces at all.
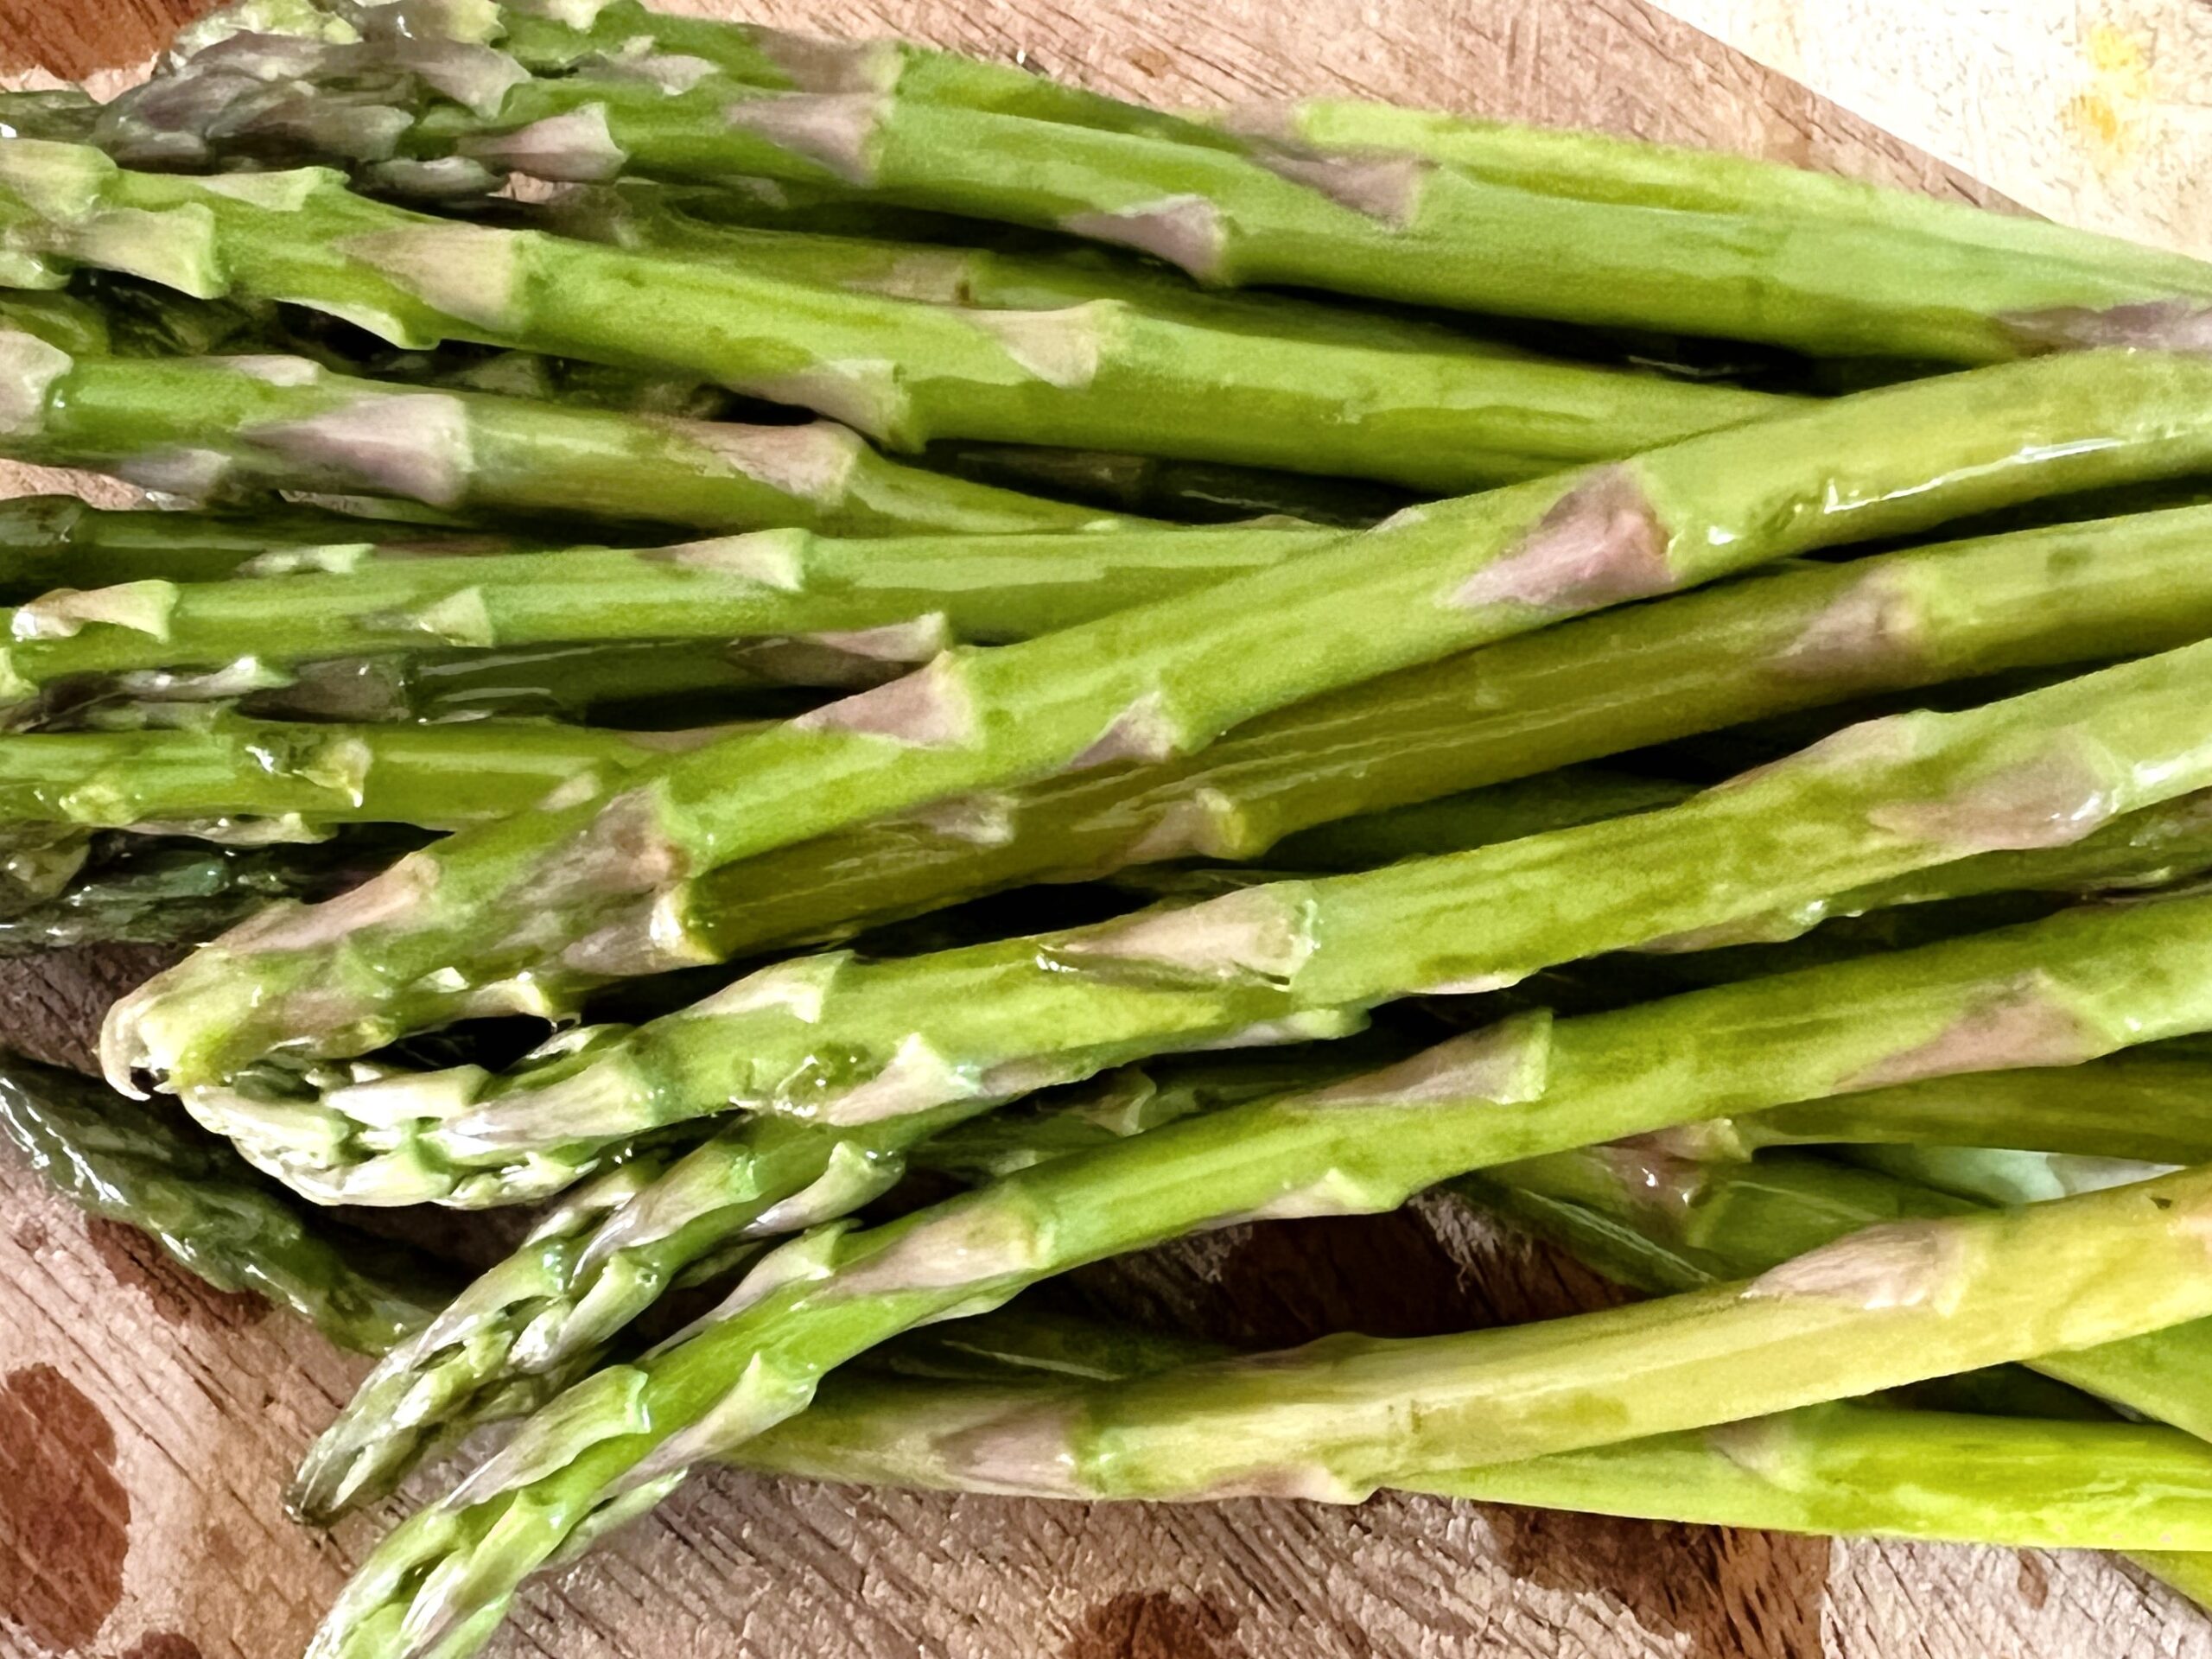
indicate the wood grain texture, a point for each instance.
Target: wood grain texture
{"x":147,"y":1427}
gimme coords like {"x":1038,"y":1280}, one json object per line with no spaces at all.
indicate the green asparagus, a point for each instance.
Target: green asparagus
{"x":127,"y":1162}
{"x":1877,"y":1313}
{"x":1623,"y":237}
{"x":434,"y":777}
{"x":1834,"y":1470}
{"x":1097,"y":374}
{"x":193,"y":426}
{"x":848,"y":1042}
{"x":904,"y":598}
{"x":1675,"y":1225}
{"x":1152,"y":682}
{"x":57,"y":541}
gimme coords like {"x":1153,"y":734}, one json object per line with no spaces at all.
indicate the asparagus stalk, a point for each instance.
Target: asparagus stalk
{"x":1189,"y":492}
{"x":57,"y":541}
{"x":127,"y":1162}
{"x":434,"y":777}
{"x":846,"y":1042}
{"x":1886,"y":1310}
{"x":163,"y":892}
{"x":653,"y":683}
{"x":692,"y":224}
{"x":1687,"y":1223}
{"x":1627,"y":244}
{"x":2154,"y":1106}
{"x":1107,"y":374}
{"x":764,"y":585}
{"x":1834,"y":1470}
{"x":194,"y":427}
{"x":1588,"y":689}
{"x":1157,"y":681}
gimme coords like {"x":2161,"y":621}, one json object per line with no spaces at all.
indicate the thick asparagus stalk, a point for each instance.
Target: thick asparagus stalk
{"x":1687,"y":1223}
{"x":194,"y":427}
{"x":436,"y":777}
{"x":1875,"y":1314}
{"x":57,"y":541}
{"x":127,"y":1162}
{"x":767,"y":585}
{"x":1158,"y":681}
{"x":997,"y":1019}
{"x":163,"y":892}
{"x":1591,"y":688}
{"x":1627,"y":244}
{"x":1096,"y":374}
{"x":1834,"y":1470}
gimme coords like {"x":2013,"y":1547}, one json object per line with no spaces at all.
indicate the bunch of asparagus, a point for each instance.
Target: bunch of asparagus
{"x":709,"y":605}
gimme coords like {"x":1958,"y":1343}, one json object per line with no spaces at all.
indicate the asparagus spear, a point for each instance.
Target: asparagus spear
{"x":1190,"y":492}
{"x":1876,"y":1314}
{"x":764,"y":585}
{"x":221,"y":1221}
{"x":1834,"y":1470}
{"x":193,"y":426}
{"x":655,"y":683}
{"x":1157,"y":681}
{"x":436,"y":777}
{"x":1631,"y":245}
{"x":2155,"y":1106}
{"x":1687,"y":1223}
{"x":140,"y":891}
{"x":57,"y":541}
{"x":1105,"y":374}
{"x":845,"y":1042}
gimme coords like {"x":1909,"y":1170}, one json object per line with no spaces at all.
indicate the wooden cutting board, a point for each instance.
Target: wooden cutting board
{"x":147,"y":1425}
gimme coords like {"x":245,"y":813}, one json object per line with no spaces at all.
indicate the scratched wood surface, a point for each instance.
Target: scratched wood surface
{"x":146,"y":1424}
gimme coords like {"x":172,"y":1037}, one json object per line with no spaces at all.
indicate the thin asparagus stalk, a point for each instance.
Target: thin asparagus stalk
{"x":434,"y":777}
{"x":1627,"y":244}
{"x":845,"y":1042}
{"x":1886,"y":1310}
{"x":1482,"y":817}
{"x":1189,"y":492}
{"x":196,"y":427}
{"x":128,"y":1162}
{"x":656,"y":682}
{"x":1591,"y":688}
{"x":675,"y":223}
{"x":163,"y":892}
{"x":1098,"y":374}
{"x":57,"y":541}
{"x":2155,"y":1106}
{"x":764,"y":585}
{"x":1158,"y":681}
{"x":1832,"y":1470}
